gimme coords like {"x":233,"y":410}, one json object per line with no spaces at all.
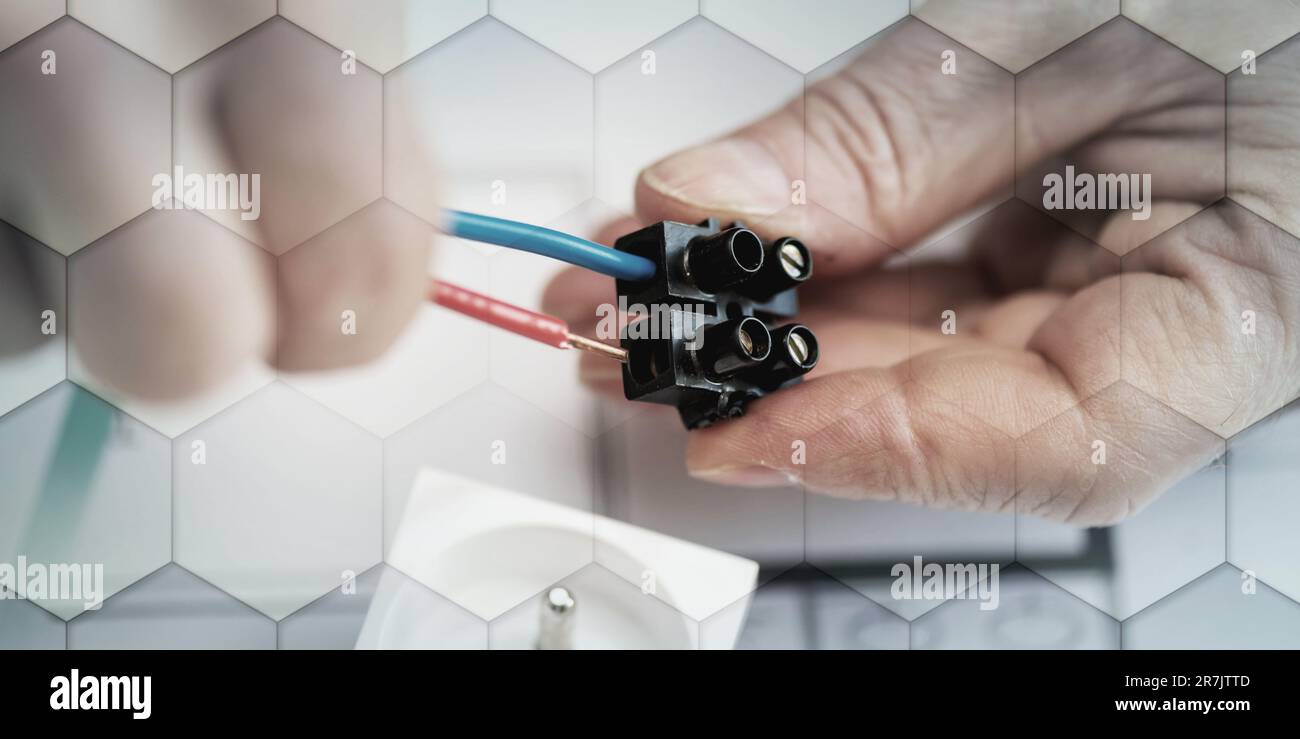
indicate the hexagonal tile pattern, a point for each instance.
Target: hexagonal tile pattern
{"x":1263,"y":512}
{"x":382,"y":609}
{"x":901,"y":149}
{"x":860,"y":543}
{"x":433,"y":360}
{"x":280,"y":104}
{"x":522,"y":152}
{"x":18,"y":18}
{"x":386,"y":33}
{"x":168,"y":33}
{"x":1218,"y":33}
{"x":1208,"y":309}
{"x":1220,"y":610}
{"x":646,"y":485}
{"x":84,"y":485}
{"x":24,"y":625}
{"x":1160,"y":545}
{"x":1080,"y":158}
{"x":803,"y":35}
{"x":81,"y":146}
{"x":33,"y":318}
{"x":1013,"y":34}
{"x":608,"y":613}
{"x":491,"y":435}
{"x":804,"y":608}
{"x":1262,"y":142}
{"x":594,"y":35}
{"x":283,"y":493}
{"x":1021,"y":280}
{"x":275,"y":498}
{"x":172,"y":609}
{"x":334,"y":620}
{"x":1027,"y":612}
{"x":646,"y":111}
{"x":171,"y":318}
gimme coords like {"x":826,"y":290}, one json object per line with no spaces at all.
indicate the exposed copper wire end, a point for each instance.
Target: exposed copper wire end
{"x":598,"y":347}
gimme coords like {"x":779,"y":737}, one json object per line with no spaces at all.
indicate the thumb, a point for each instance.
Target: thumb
{"x":919,"y":130}
{"x":890,"y":148}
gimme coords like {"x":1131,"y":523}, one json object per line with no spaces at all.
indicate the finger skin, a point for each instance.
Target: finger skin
{"x":1183,"y":334}
{"x":866,"y":435}
{"x":880,"y":157}
{"x":936,"y":435}
{"x":1069,"y":362}
{"x":372,"y":258}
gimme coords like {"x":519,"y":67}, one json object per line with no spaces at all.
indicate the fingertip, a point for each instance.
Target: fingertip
{"x":750,"y":178}
{"x":160,"y":323}
{"x":732,"y":177}
{"x":734,"y":452}
{"x":742,"y":451}
{"x":808,"y":434}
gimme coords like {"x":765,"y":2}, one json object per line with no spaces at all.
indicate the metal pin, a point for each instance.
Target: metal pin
{"x":598,"y":347}
{"x":792,"y":260}
{"x":560,"y":600}
{"x":798,"y":347}
{"x":556,"y":628}
{"x":746,"y":341}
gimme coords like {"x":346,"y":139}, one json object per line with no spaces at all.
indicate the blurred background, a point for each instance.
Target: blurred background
{"x":537,"y":111}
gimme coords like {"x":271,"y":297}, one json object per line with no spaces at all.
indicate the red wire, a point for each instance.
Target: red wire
{"x":536,"y":326}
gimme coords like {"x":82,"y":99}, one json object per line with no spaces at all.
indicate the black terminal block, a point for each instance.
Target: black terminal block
{"x":705,"y":334}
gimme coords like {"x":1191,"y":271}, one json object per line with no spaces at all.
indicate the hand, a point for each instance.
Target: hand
{"x":1058,"y":347}
{"x":177,"y":308}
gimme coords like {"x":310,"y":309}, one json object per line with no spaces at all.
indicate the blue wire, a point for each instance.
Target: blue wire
{"x":548,"y":243}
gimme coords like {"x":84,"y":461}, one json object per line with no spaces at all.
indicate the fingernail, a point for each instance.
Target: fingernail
{"x":749,"y":476}
{"x":731,"y":175}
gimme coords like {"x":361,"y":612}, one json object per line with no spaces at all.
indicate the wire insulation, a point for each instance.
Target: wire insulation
{"x":536,"y":326}
{"x":548,"y":243}
{"x":548,"y":330}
